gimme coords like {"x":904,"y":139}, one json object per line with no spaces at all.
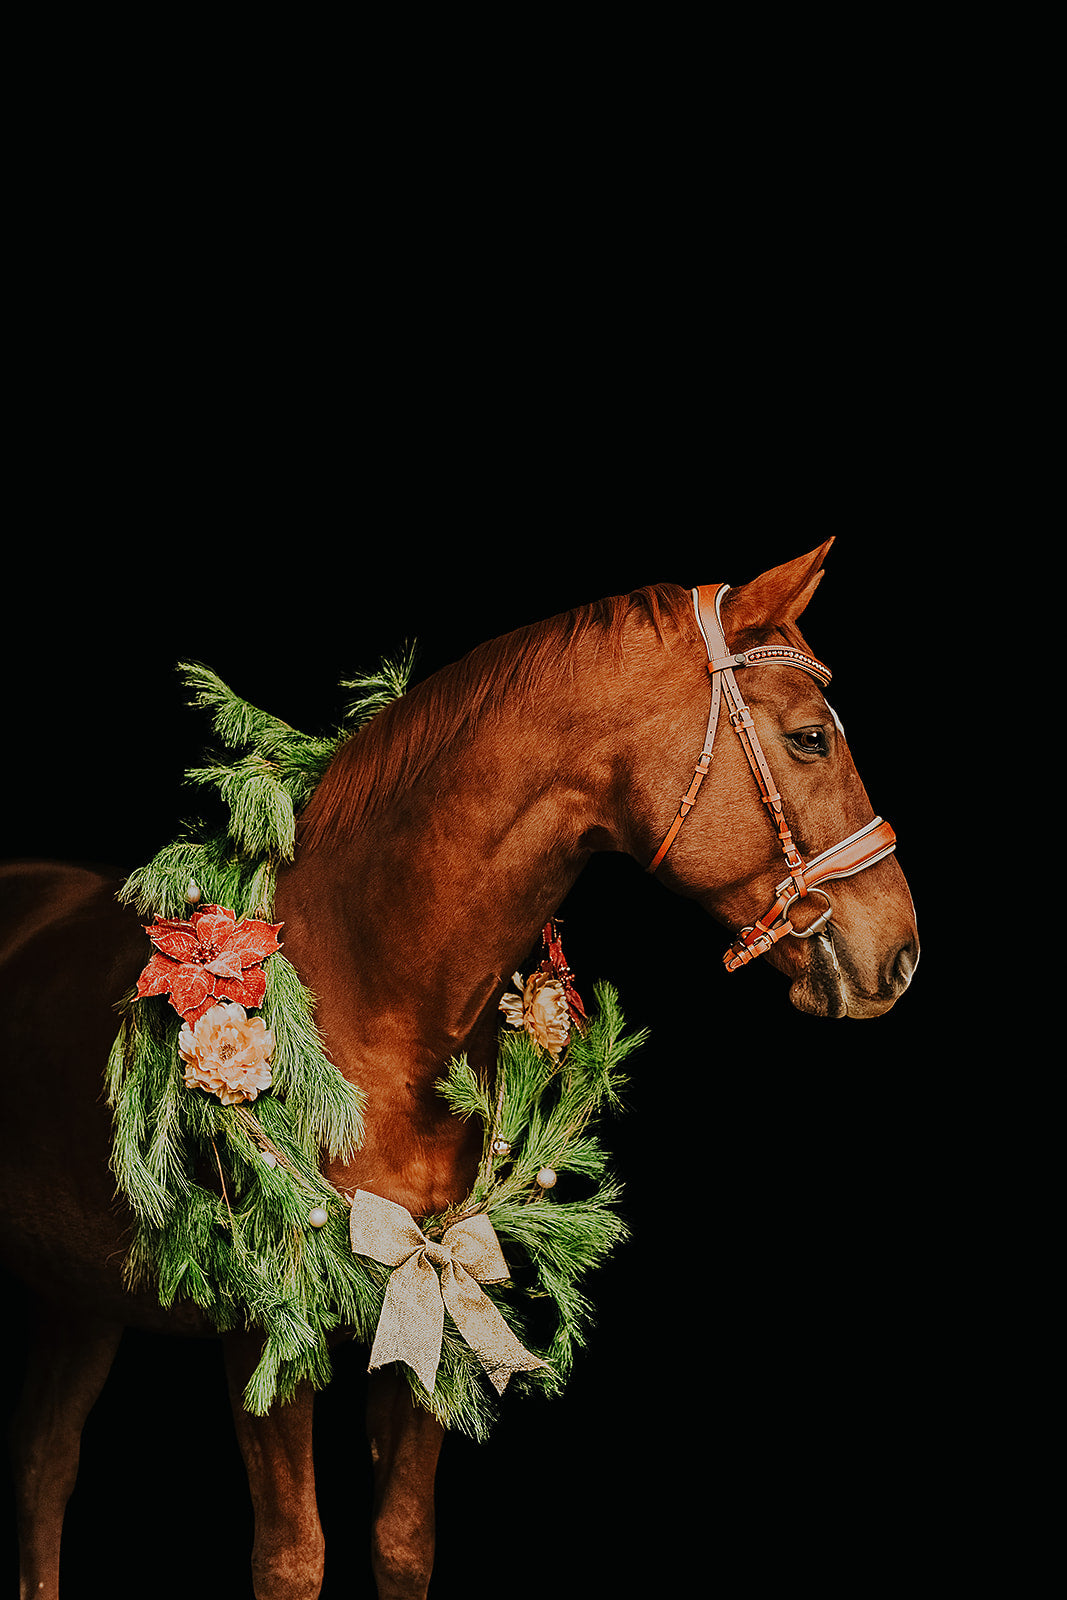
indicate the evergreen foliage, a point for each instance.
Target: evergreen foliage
{"x":217,"y":1224}
{"x":542,"y":1110}
{"x":221,"y":1195}
{"x":376,"y":690}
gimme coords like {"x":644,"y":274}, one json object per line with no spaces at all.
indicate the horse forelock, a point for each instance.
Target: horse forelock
{"x":401,"y":742}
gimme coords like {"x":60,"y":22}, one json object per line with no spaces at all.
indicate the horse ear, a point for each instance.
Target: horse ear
{"x":779,"y":595}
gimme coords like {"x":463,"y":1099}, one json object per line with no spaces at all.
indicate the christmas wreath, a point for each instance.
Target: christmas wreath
{"x":220,"y":1116}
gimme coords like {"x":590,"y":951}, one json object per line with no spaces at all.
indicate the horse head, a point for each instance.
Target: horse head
{"x":782,"y":845}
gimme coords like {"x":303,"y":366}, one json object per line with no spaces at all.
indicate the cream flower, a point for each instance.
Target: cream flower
{"x":228,"y":1054}
{"x":541,"y":1009}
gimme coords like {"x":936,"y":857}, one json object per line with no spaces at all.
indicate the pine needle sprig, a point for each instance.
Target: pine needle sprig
{"x":262,"y":814}
{"x":376,"y":690}
{"x":210,"y":859}
{"x":236,"y":722}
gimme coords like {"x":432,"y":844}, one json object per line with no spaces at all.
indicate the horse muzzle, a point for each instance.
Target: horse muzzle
{"x":828,"y":985}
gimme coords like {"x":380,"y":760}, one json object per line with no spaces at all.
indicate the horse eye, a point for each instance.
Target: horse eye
{"x":812,"y":741}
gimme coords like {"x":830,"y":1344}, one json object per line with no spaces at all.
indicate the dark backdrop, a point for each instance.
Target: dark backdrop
{"x":306,"y":374}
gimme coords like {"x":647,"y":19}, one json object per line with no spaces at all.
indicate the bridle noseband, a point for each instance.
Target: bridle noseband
{"x":861,"y":849}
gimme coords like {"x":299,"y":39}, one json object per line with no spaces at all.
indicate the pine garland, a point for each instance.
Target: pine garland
{"x":541,"y":1111}
{"x":222,"y":1195}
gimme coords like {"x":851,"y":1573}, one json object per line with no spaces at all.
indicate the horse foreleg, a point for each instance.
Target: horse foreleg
{"x":288,"y":1548}
{"x":70,"y":1356}
{"x":405,"y":1443}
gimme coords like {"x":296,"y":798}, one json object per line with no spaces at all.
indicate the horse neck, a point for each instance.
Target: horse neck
{"x":407,"y":928}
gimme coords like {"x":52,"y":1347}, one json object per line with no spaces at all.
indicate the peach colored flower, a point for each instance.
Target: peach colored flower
{"x":227,"y":1052}
{"x":541,"y":1009}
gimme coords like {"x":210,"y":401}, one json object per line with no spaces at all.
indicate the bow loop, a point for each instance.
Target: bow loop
{"x":473,"y":1242}
{"x":429,"y":1278}
{"x":387,"y":1232}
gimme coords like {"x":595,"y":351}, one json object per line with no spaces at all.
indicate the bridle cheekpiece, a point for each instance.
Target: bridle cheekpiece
{"x":861,"y":849}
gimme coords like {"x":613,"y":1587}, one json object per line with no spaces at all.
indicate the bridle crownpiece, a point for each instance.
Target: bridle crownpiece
{"x":861,"y":849}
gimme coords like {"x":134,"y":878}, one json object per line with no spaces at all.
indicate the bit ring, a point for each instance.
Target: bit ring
{"x":820,"y":922}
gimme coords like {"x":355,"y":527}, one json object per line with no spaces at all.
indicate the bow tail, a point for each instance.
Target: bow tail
{"x":412,"y":1321}
{"x":484,"y":1329}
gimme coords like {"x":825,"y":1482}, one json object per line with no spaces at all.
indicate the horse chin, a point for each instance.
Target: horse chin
{"x":825,"y":988}
{"x":818,"y":990}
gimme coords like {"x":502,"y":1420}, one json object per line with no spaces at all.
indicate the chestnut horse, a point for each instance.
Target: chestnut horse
{"x":439,"y":842}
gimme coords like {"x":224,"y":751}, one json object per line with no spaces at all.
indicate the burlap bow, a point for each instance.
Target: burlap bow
{"x":427,"y":1278}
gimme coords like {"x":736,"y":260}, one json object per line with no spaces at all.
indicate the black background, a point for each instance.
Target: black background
{"x":283,"y":427}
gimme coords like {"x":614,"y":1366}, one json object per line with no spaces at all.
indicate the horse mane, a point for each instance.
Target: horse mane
{"x":403,"y":740}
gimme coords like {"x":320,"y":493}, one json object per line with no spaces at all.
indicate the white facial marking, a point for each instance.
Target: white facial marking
{"x":837,"y":720}
{"x":827,"y":943}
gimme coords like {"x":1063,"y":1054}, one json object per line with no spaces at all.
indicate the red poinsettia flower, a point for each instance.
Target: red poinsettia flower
{"x":208,"y":957}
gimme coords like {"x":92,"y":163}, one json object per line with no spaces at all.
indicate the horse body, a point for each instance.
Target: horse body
{"x":438,"y":844}
{"x":69,"y":952}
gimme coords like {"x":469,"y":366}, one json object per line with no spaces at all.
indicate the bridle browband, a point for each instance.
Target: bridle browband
{"x":861,"y":849}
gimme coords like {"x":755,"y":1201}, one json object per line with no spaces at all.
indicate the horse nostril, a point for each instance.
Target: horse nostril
{"x":903,"y":965}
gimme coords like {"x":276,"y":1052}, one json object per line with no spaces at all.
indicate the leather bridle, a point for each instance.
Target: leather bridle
{"x":861,"y":849}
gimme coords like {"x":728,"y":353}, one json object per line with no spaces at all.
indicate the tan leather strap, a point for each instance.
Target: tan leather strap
{"x":700,"y":771}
